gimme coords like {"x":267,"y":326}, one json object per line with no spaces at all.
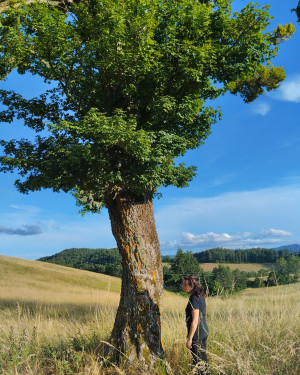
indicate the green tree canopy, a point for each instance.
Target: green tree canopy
{"x":297,"y":10}
{"x":183,"y":264}
{"x":129,"y":82}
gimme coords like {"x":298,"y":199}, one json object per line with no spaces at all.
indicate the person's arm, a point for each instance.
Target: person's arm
{"x":194,"y":325}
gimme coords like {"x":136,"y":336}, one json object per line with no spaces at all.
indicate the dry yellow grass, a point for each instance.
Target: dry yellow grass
{"x":52,"y":319}
{"x":25,"y":280}
{"x":254,"y":332}
{"x":248,"y":267}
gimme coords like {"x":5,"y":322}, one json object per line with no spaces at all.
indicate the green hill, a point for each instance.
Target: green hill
{"x":107,"y":261}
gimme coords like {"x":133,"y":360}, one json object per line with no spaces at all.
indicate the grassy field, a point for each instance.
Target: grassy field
{"x":53,"y":319}
{"x":47,"y":283}
{"x":248,"y":267}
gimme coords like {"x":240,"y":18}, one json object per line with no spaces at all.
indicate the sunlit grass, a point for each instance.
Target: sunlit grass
{"x":247,"y":267}
{"x":53,"y":319}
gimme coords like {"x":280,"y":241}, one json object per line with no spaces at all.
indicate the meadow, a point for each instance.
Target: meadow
{"x":247,"y":267}
{"x":53,"y":321}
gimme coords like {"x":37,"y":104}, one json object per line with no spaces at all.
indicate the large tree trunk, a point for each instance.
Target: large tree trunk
{"x":136,"y":335}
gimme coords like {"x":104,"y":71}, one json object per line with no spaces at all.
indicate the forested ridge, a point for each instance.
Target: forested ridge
{"x":107,"y":261}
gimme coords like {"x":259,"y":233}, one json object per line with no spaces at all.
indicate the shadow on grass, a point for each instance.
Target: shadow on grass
{"x":32,"y":308}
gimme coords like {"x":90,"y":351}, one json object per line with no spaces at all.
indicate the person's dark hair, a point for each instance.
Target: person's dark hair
{"x":197,"y":287}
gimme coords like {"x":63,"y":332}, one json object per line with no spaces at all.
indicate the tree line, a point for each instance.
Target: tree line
{"x":254,"y":255}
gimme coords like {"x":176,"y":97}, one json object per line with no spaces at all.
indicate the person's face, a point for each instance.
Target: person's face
{"x":186,"y":286}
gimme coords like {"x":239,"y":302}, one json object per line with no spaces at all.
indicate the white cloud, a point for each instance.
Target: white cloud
{"x":289,"y":90}
{"x":240,"y":240}
{"x":261,"y":108}
{"x":276,"y":233}
{"x":207,"y":237}
{"x":235,"y":219}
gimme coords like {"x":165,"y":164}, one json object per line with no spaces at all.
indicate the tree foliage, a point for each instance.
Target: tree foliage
{"x":287,"y":270}
{"x":297,"y":10}
{"x":183,"y":264}
{"x":128,"y":86}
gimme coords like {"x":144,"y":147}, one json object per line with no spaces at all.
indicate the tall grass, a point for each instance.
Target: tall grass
{"x":255,"y":332}
{"x":56,"y":326}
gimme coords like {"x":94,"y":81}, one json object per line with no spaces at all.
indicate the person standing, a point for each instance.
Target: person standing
{"x":196,"y":323}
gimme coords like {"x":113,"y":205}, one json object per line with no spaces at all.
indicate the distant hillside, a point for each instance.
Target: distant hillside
{"x":107,"y":261}
{"x":292,"y":248}
{"x":28,"y":280}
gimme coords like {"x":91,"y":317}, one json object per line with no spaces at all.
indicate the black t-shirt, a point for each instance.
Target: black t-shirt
{"x":196,"y":302}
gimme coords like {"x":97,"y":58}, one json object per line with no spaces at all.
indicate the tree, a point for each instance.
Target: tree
{"x":293,"y":265}
{"x":257,"y":283}
{"x":283,"y":253}
{"x":272,"y":279}
{"x":239,"y":280}
{"x":167,"y":259}
{"x":223,"y":280}
{"x":183,"y":264}
{"x":128,"y":82}
{"x":288,"y":269}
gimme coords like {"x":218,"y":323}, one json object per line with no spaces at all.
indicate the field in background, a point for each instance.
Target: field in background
{"x":248,"y":267}
{"x":53,"y":319}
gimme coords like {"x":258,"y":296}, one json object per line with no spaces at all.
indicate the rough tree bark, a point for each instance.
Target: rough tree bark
{"x":137,"y":328}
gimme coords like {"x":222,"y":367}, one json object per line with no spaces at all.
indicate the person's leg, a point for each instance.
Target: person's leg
{"x":199,"y":357}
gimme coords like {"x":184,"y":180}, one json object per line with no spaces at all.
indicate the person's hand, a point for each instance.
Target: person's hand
{"x":189,"y":344}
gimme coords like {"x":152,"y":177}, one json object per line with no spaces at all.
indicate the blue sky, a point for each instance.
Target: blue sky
{"x":246,"y":193}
